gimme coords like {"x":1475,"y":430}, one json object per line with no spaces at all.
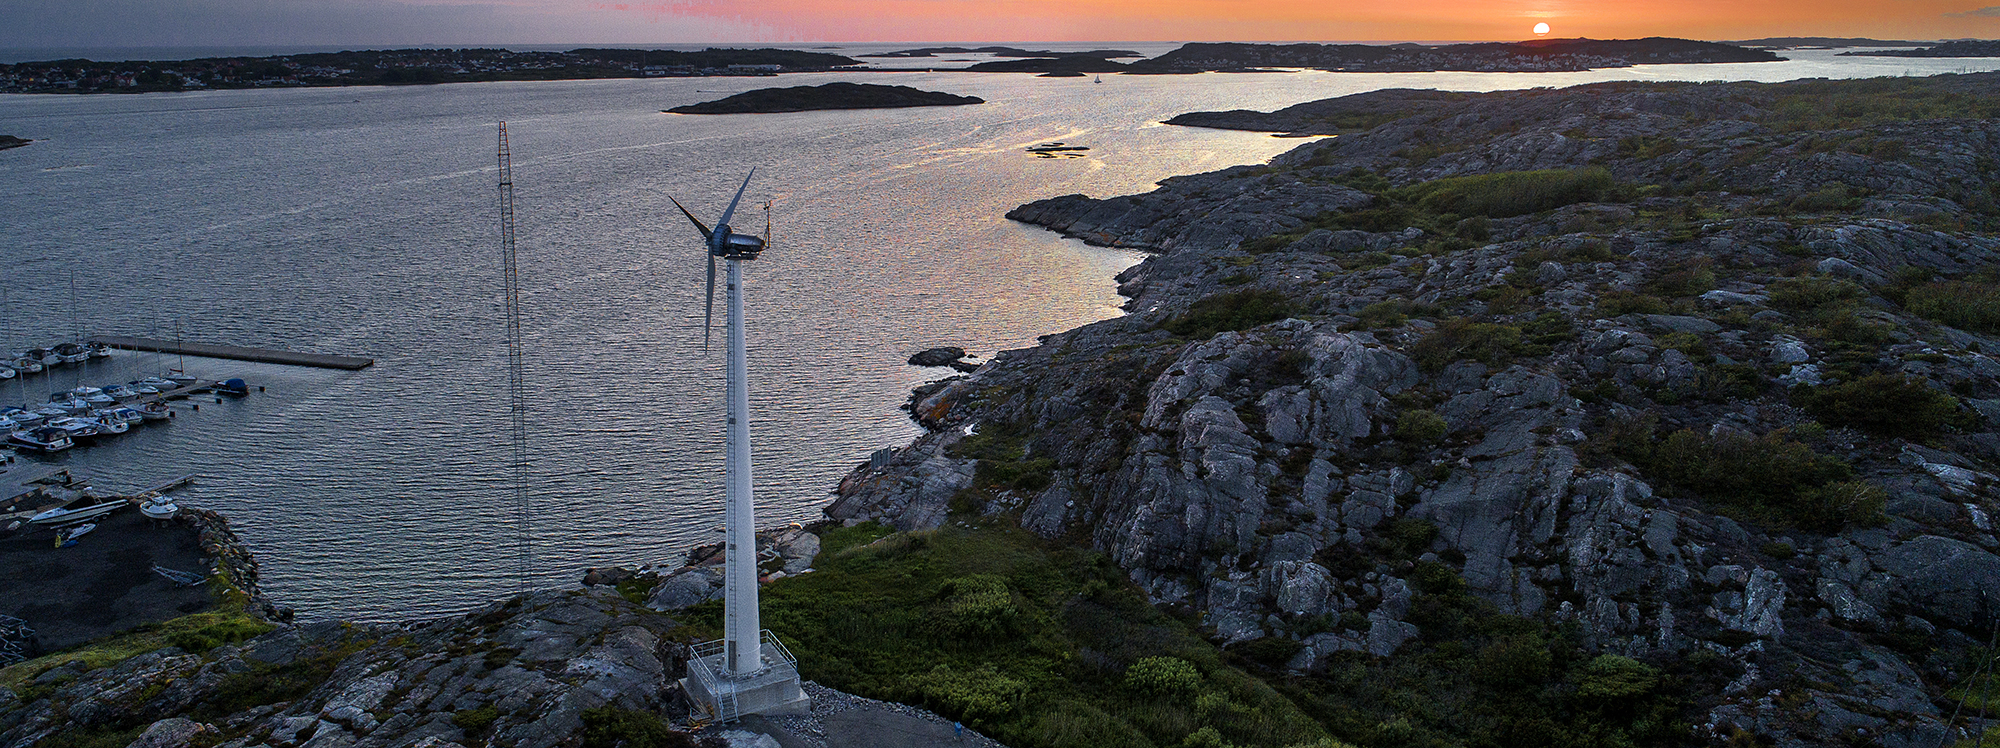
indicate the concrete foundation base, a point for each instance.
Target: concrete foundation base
{"x":724,"y":696}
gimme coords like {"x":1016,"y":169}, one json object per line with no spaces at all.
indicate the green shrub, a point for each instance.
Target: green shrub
{"x":1236,"y":310}
{"x":1685,"y":342}
{"x":1611,"y":680}
{"x":1769,"y":478}
{"x":1163,"y":676}
{"x":1514,"y":662}
{"x":217,"y":634}
{"x":1461,"y":339}
{"x":1271,"y":651}
{"x":1965,"y":305}
{"x":1813,"y":294}
{"x":475,"y":721}
{"x":1431,"y":577}
{"x":978,"y":606}
{"x":970,"y":695}
{"x":1828,"y":507}
{"x":1391,"y":313}
{"x":1885,"y":405}
{"x":1513,"y":193}
{"x":1420,"y":426}
{"x":1693,"y":280}
{"x":612,"y":727}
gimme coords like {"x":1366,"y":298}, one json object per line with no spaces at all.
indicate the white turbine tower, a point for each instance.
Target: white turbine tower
{"x":738,"y":674}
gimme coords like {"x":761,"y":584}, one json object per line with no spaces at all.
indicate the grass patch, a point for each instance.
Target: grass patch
{"x":1002,"y":451}
{"x":203,"y":631}
{"x":1967,"y":304}
{"x":1855,"y":104}
{"x":1236,"y":310}
{"x":893,"y":617}
{"x":1513,"y":193}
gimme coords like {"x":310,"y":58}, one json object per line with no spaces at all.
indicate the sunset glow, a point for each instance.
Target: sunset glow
{"x":132,"y":22}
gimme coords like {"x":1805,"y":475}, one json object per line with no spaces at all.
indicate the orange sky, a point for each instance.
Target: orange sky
{"x":1275,"y":20}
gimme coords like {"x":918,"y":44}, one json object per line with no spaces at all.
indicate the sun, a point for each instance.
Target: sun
{"x":1541,"y":29}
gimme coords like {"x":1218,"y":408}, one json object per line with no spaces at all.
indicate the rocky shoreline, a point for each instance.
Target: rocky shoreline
{"x":826,"y":96}
{"x":1695,"y":379}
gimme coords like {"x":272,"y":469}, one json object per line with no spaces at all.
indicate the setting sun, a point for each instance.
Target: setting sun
{"x":1541,"y":29}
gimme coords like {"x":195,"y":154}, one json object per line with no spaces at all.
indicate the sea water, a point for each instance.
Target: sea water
{"x":364,"y":221}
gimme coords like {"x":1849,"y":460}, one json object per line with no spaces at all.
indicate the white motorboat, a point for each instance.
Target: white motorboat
{"x":143,"y":389}
{"x":156,"y":411}
{"x":8,"y":425}
{"x":81,"y":509}
{"x":119,"y":392}
{"x":100,"y":399}
{"x":7,"y":371}
{"x":24,"y":418}
{"x":107,"y":426}
{"x":26,"y":365}
{"x":43,"y":356}
{"x":71,"y":353}
{"x":97,"y":350}
{"x":77,"y":428}
{"x":127,"y":416}
{"x":67,"y":406}
{"x":159,"y":507}
{"x":43,"y":439}
{"x":162,"y":383}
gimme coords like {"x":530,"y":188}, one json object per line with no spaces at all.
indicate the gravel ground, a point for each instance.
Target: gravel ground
{"x":843,"y":720}
{"x":103,"y":584}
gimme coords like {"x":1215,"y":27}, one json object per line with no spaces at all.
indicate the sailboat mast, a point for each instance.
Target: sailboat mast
{"x":741,"y":634}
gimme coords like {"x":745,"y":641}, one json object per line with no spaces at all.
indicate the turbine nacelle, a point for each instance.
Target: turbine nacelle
{"x":724,"y":243}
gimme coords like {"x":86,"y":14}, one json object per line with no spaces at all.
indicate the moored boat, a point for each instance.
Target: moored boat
{"x":80,"y":509}
{"x":124,"y":415}
{"x":71,"y":353}
{"x":26,"y":365}
{"x":156,"y":411}
{"x":7,"y":371}
{"x":78,"y":429}
{"x":42,"y":439}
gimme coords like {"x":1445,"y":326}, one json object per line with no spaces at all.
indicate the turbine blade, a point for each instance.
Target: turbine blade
{"x":697,"y":222}
{"x":739,"y":198}
{"x":708,"y":317}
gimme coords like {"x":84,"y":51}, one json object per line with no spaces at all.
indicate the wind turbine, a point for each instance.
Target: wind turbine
{"x":742,"y":677}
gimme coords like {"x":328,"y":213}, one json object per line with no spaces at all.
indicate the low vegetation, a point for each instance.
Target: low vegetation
{"x":1033,"y":643}
{"x":1773,"y":479}
{"x":1514,"y":193}
{"x":1884,"y":405}
{"x":1223,"y":312}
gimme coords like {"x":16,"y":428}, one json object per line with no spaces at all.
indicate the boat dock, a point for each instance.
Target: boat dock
{"x":238,"y":353}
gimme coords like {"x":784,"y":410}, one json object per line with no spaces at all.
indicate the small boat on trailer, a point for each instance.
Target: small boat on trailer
{"x":80,"y":509}
{"x":159,"y":507}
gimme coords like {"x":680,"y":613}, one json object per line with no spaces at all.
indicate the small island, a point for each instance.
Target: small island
{"x":9,"y":141}
{"x":1960,"y":48}
{"x":828,"y":96}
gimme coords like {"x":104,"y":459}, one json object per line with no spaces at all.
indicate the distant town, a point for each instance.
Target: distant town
{"x":402,"y":66}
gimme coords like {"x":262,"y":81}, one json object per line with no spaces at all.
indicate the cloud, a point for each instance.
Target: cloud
{"x":1987,"y":12}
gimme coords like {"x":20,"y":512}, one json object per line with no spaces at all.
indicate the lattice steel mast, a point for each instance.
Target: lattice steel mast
{"x":516,"y":391}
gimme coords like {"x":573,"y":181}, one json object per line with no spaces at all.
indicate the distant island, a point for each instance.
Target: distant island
{"x":402,"y":66}
{"x":1001,"y":52}
{"x":1540,"y":55}
{"x":416,"y":66}
{"x":9,"y":141}
{"x":1824,"y":42}
{"x":1352,"y":113}
{"x":1962,"y":48}
{"x":828,"y":96}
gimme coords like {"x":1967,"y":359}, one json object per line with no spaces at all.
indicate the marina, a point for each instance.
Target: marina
{"x":233,"y":352}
